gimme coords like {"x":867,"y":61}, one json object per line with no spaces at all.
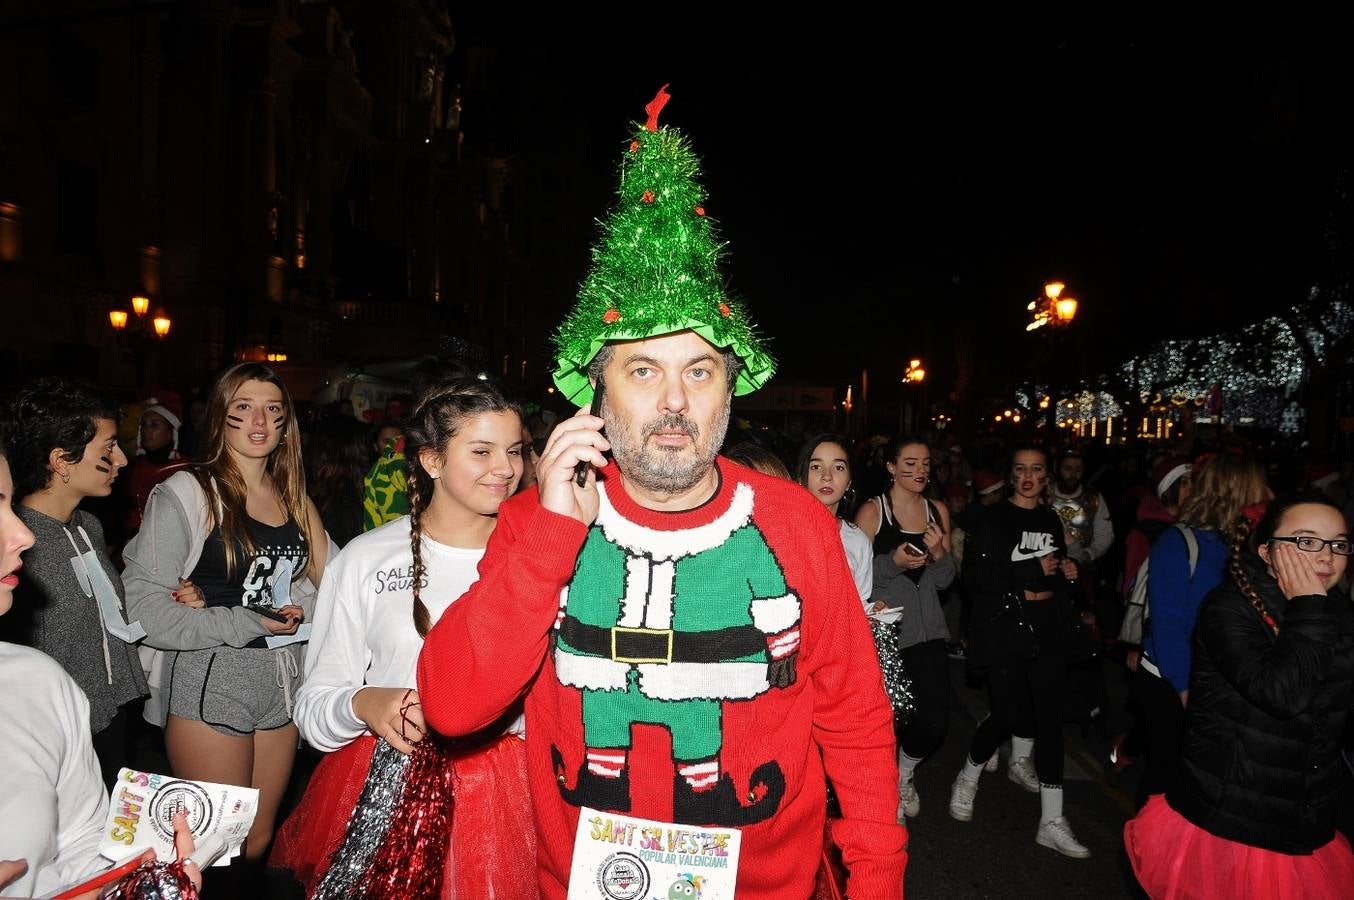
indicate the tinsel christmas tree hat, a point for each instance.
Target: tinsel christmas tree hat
{"x":655,"y":268}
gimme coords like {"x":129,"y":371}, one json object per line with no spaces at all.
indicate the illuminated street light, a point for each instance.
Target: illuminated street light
{"x":140,"y":304}
{"x":161,"y":323}
{"x":117,"y":318}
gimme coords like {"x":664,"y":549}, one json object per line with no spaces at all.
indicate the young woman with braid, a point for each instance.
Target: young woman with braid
{"x":1252,"y":811}
{"x":1209,"y":518}
{"x":381,"y":595}
{"x":239,"y":526}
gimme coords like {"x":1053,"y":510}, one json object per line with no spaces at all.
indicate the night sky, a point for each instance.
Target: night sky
{"x":886,"y":183}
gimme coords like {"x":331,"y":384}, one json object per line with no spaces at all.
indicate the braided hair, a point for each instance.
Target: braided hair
{"x":1248,"y":540}
{"x":437,"y":416}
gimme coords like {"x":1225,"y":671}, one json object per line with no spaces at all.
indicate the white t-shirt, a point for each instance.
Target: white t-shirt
{"x":860,"y":556}
{"x":363,"y":632}
{"x":52,"y":801}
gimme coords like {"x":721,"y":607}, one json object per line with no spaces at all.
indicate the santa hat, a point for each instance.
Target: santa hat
{"x":1167,"y":471}
{"x":985,"y":482}
{"x":655,"y":268}
{"x":171,"y":410}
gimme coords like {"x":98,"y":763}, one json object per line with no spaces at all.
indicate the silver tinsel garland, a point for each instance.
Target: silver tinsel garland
{"x":367,"y":828}
{"x":896,"y":683}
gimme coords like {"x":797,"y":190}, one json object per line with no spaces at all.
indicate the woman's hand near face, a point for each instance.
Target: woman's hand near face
{"x":1295,"y":571}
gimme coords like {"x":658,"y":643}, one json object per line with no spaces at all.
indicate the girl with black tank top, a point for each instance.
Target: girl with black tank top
{"x":240,"y":527}
{"x":912,"y":565}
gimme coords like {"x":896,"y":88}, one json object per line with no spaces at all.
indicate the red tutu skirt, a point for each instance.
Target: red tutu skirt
{"x":1175,"y":859}
{"x":493,"y":836}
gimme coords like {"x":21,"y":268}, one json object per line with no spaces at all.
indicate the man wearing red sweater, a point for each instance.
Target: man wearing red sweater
{"x":685,"y":631}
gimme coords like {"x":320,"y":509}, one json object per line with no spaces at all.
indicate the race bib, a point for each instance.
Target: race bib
{"x":619,"y":857}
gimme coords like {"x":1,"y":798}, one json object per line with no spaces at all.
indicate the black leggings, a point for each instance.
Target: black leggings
{"x":1024,"y":692}
{"x":1164,"y":722}
{"x":928,"y":665}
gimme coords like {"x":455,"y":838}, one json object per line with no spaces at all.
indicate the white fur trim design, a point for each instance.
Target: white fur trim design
{"x":659,"y":613}
{"x":591,"y":673}
{"x":703,"y":681}
{"x":636,"y":592}
{"x":663,"y":545}
{"x":773,"y":614}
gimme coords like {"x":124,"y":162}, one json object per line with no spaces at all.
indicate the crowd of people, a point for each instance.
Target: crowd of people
{"x":503,"y":630}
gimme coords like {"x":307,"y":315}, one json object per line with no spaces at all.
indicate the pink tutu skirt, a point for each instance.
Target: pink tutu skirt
{"x":1174,"y":859}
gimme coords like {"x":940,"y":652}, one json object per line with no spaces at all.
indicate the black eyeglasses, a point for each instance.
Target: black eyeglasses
{"x":1315,"y":544}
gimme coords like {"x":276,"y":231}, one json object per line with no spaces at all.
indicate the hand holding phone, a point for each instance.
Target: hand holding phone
{"x":581,"y":470}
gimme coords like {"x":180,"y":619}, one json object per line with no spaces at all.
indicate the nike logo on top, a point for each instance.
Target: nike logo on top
{"x":1033,"y":544}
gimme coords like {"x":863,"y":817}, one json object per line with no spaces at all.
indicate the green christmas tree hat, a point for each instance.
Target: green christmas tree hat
{"x":655,"y":268}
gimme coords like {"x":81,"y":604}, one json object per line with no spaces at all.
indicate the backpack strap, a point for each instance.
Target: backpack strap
{"x":1191,"y":546}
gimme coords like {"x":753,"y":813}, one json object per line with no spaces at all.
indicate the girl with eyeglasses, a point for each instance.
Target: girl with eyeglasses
{"x":1210,"y":518}
{"x":1252,"y":811}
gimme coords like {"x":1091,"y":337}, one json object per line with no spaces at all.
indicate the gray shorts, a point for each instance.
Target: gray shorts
{"x":236,"y":690}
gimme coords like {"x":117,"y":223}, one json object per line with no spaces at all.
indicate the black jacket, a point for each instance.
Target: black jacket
{"x":1267,"y":716}
{"x":1000,"y":562}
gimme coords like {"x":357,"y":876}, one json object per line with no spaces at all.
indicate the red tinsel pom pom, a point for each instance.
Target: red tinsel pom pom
{"x":411,"y":859}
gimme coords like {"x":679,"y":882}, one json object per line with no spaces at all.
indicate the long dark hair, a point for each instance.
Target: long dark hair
{"x":806,"y":456}
{"x":436,"y":418}
{"x":1246,"y":540}
{"x":46,"y":414}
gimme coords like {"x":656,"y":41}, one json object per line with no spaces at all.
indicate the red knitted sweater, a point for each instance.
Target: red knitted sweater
{"x":494,"y":646}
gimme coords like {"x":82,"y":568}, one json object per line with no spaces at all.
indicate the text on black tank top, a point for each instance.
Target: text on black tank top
{"x":252,"y":580}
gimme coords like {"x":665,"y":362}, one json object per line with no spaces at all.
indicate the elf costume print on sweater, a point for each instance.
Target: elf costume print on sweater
{"x":663,"y":628}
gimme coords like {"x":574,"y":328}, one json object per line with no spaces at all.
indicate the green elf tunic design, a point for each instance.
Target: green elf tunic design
{"x":663,"y":627}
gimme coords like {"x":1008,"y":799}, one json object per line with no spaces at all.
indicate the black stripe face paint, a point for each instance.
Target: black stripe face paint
{"x":277,"y":423}
{"x":234,"y":421}
{"x":107,"y":465}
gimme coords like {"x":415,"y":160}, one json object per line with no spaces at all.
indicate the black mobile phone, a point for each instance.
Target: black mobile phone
{"x":269,"y":613}
{"x":581,"y":470}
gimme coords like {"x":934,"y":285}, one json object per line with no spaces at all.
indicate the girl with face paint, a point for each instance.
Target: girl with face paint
{"x":1017,"y":569}
{"x":63,"y":435}
{"x":912,"y":565}
{"x":239,"y":526}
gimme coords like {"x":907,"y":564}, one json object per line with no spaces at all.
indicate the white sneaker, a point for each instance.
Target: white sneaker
{"x":992,"y":764}
{"x":1056,"y":834}
{"x":961,"y":798}
{"x":1021,"y":771}
{"x":909,"y":803}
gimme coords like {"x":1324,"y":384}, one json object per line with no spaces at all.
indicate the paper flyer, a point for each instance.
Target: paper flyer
{"x":142,"y":806}
{"x":618,"y":857}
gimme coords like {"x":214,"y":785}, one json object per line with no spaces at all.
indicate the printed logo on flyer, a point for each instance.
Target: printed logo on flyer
{"x":618,"y":857}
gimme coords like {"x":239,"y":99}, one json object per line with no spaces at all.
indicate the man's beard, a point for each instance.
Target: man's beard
{"x":667,"y":470}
